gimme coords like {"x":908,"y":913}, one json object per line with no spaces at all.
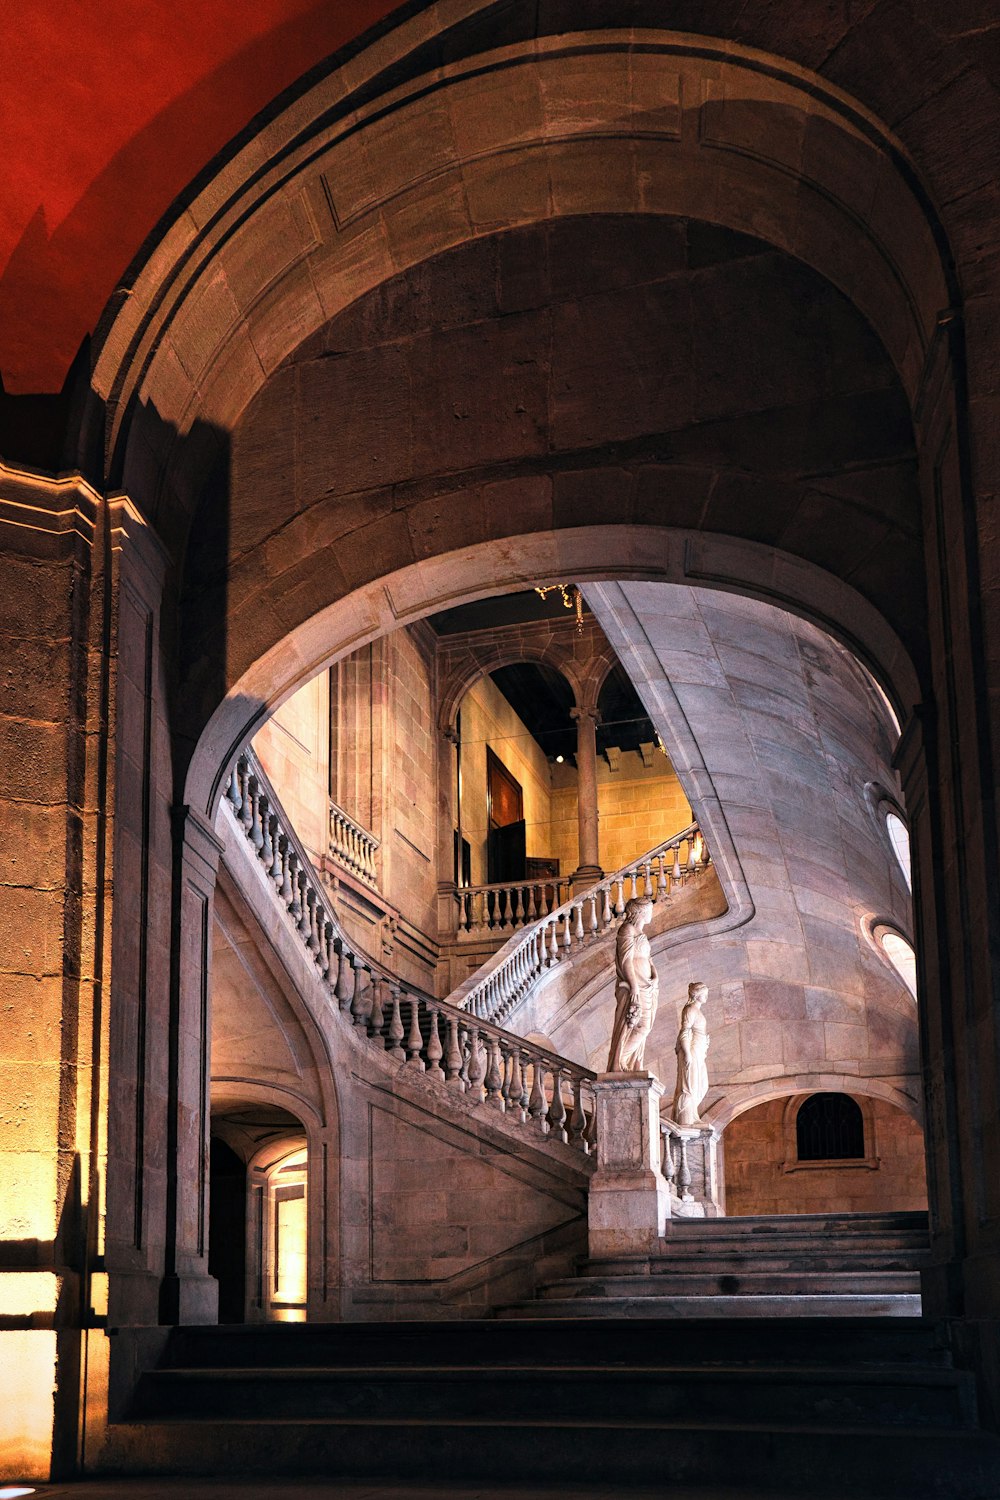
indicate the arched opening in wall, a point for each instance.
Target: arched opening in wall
{"x":831,"y":1151}
{"x":258,"y":1206}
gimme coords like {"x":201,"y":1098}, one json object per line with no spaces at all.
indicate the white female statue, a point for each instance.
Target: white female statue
{"x":637,"y":989}
{"x":692,"y":1051}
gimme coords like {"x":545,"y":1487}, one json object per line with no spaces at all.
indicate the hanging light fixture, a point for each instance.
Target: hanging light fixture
{"x":571,"y":598}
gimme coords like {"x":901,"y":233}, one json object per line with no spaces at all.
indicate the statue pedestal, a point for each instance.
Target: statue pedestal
{"x":693,"y":1171}
{"x":629,"y":1200}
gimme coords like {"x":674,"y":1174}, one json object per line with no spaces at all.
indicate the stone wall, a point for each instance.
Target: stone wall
{"x":637,"y":807}
{"x":763,"y":1175}
{"x":294,"y":749}
{"x":409,"y":830}
{"x":488,"y":720}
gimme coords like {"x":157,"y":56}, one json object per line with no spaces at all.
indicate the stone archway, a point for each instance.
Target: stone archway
{"x":745,"y":141}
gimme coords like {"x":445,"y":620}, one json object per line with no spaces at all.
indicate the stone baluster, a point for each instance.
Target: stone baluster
{"x":515,"y":1086}
{"x":594,"y":923}
{"x":668,"y":1159}
{"x":557,"y":1109}
{"x":532,"y":911}
{"x":647,"y":883}
{"x":505,"y":1071}
{"x":590,"y":1134}
{"x":537,"y":1104}
{"x":304,"y":915}
{"x":684,"y":1171}
{"x":308,"y":924}
{"x":396,"y":1032}
{"x":264,"y":849}
{"x":255,"y":832}
{"x":661,"y":878}
{"x":233,"y":789}
{"x":453,"y":1056}
{"x":376,"y":1018}
{"x":357,"y":998}
{"x":474,"y":1068}
{"x":294,"y":906}
{"x":493,"y":1078}
{"x":276,"y":869}
{"x":567,"y":939}
{"x":246,"y":804}
{"x":435,"y":1051}
{"x":553,"y":943}
{"x":577,"y":1119}
{"x":620,"y":898}
{"x":525,"y":1086}
{"x":285,"y":888}
{"x":324,"y":957}
{"x":414,"y":1039}
{"x":675,"y":873}
{"x":344,"y":987}
{"x":578,"y":921}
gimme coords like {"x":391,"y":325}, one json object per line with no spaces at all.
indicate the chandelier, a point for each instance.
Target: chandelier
{"x":571,"y":598}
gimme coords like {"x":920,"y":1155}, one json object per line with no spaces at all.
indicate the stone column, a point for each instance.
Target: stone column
{"x":589,"y":868}
{"x":628,"y":1204}
{"x":447,"y":783}
{"x":189,"y":1294}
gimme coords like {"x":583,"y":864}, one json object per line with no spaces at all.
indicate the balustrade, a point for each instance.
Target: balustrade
{"x":508,"y":905}
{"x":529,"y":1085}
{"x":352,"y":846}
{"x":552,"y":935}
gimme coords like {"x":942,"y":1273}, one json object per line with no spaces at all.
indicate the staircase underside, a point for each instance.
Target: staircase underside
{"x":802,"y":1407}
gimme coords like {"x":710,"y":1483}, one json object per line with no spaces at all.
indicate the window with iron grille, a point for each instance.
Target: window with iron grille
{"x":830,"y":1127}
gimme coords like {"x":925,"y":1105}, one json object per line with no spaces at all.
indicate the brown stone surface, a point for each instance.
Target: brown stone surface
{"x":763,"y":1175}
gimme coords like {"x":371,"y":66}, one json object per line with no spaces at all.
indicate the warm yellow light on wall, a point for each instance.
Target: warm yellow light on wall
{"x":25,"y":1293}
{"x":27,"y":1386}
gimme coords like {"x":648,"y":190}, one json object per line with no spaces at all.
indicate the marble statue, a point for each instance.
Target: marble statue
{"x":637,"y":989}
{"x":692,"y":1052}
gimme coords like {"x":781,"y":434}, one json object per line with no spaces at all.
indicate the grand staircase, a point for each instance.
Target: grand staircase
{"x":670,"y":1369}
{"x":817,"y":1407}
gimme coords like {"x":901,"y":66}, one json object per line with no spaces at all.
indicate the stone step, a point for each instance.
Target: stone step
{"x":851,"y":1341}
{"x":865,"y":1397}
{"x":766,"y":1258}
{"x":723,"y":1306}
{"x":730,"y":1282}
{"x":827,"y":1460}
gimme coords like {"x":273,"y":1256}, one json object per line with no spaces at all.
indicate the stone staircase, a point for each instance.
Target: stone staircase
{"x":794,"y":1266}
{"x":867,"y":1407}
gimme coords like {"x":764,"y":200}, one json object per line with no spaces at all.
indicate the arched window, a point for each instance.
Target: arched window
{"x":830,"y":1127}
{"x":899,"y":838}
{"x":899,"y":953}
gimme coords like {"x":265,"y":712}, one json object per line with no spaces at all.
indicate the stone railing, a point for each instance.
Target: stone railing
{"x":505,"y":905}
{"x":352,"y":846}
{"x":531,"y":1086}
{"x":582,"y":920}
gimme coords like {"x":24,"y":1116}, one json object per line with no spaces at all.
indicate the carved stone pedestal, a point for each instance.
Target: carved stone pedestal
{"x":693,"y":1174}
{"x":629,"y":1200}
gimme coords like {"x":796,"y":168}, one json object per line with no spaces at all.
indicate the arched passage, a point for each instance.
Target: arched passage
{"x":259,"y":617}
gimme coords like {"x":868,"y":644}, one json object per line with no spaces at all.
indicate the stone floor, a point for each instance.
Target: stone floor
{"x":251,"y":1489}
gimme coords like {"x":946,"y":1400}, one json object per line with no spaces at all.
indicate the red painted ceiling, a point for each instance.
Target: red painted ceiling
{"x":107,"y":111}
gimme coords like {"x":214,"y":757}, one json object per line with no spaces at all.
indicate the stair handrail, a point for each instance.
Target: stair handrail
{"x":471,"y":1055}
{"x":512,"y":973}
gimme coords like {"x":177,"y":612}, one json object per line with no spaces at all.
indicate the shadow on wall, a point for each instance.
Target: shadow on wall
{"x":771,"y":1168}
